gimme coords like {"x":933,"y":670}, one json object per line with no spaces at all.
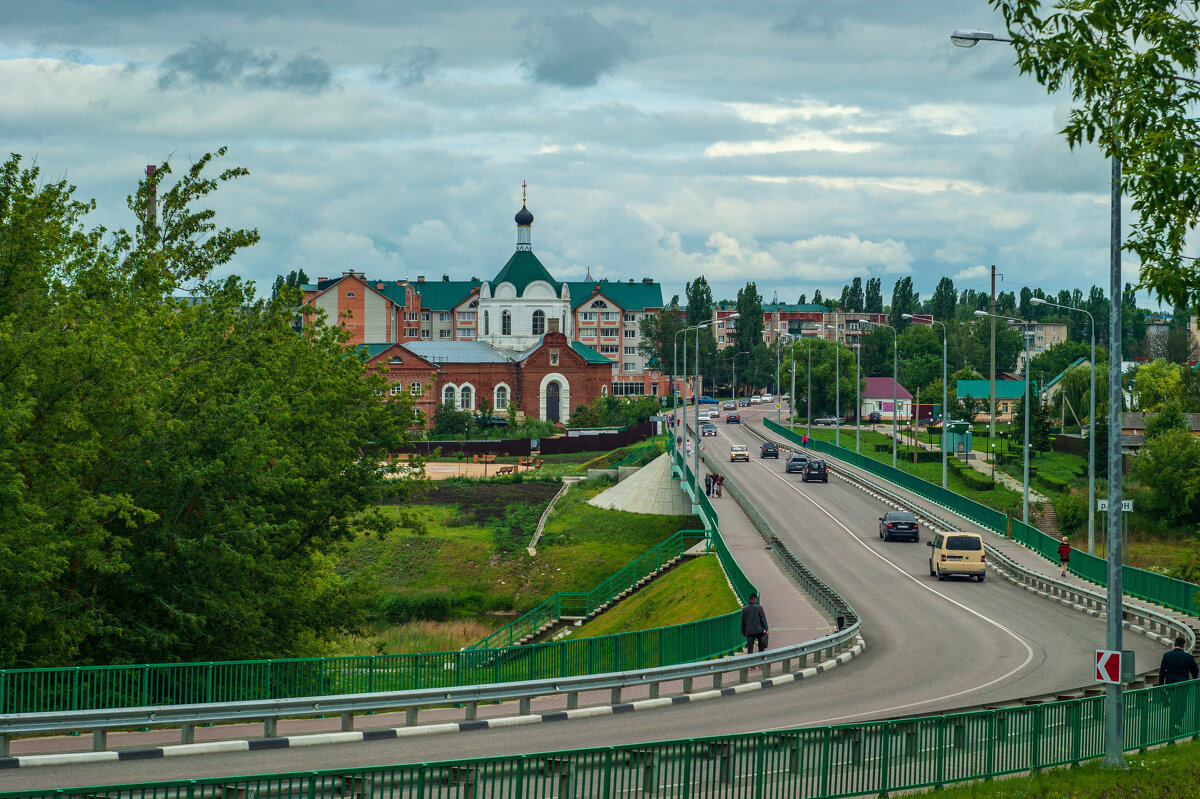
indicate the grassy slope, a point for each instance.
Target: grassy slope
{"x":694,"y":590}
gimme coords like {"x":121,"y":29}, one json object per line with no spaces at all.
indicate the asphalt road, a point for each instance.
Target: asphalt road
{"x":932,"y":646}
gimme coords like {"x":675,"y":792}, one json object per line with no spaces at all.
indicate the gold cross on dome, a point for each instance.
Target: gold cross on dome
{"x":522,"y":192}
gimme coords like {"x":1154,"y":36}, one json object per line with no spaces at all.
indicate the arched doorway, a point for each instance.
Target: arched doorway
{"x":552,"y":402}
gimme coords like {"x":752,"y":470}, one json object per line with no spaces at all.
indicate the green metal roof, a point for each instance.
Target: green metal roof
{"x":629,"y":296}
{"x":375,"y":349}
{"x":521,"y":270}
{"x":439,"y":295}
{"x":786,"y":308}
{"x":1059,"y":376}
{"x":981,"y":389}
{"x":589,"y":354}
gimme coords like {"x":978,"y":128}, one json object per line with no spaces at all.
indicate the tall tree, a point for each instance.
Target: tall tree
{"x":699,"y":301}
{"x":873,"y":298}
{"x":749,"y":324}
{"x":817,"y":298}
{"x":659,"y":337}
{"x":945,"y":300}
{"x":1025,"y":304}
{"x":1133,"y":322}
{"x":1130,"y":68}
{"x":904,"y":300}
{"x":854,"y":300}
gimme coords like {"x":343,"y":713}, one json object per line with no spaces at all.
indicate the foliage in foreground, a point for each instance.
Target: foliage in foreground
{"x":174,"y":476}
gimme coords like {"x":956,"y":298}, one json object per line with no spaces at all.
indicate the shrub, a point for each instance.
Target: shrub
{"x":1072,"y":511}
{"x":398,"y":608}
{"x":1050,"y":482}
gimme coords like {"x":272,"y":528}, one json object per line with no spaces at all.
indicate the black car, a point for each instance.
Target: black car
{"x":733,"y":418}
{"x":769,"y":450}
{"x":795,"y":463}
{"x":708,"y":429}
{"x":743,"y":402}
{"x":875,"y":416}
{"x":899,"y":524}
{"x":815,"y":470}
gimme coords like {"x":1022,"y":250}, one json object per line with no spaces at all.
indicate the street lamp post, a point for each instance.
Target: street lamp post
{"x":837,"y":382}
{"x":858,"y":397}
{"x":735,"y":357}
{"x":895,"y":378}
{"x":1114,"y":754}
{"x":1091,"y":425}
{"x":1028,"y":413}
{"x":945,"y":338}
{"x":675,"y":420}
{"x":696,"y":392}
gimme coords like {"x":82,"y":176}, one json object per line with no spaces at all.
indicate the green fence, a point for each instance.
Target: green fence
{"x":581,"y":603}
{"x":874,"y":758}
{"x":657,"y":444}
{"x":1158,"y":588}
{"x":707,"y":511}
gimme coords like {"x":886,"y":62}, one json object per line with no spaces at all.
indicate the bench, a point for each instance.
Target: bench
{"x":505,"y":470}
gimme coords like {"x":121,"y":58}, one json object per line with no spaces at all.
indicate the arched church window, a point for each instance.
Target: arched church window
{"x":506,"y":324}
{"x":466,"y":399}
{"x":448,"y":395}
{"x":486,"y":324}
{"x":599,"y":304}
{"x":539,"y":323}
{"x":501,"y":397}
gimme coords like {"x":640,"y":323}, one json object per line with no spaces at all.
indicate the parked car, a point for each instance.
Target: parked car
{"x":708,"y":429}
{"x":875,"y":416}
{"x":744,"y":402}
{"x":770,"y":450}
{"x":899,"y":524}
{"x":825,"y":420}
{"x":707,"y":401}
{"x":957,"y":553}
{"x":768,"y":397}
{"x":739,"y":452}
{"x":733,"y":418}
{"x":756,"y":400}
{"x":795,"y":463}
{"x":815,"y":470}
{"x":730,"y":405}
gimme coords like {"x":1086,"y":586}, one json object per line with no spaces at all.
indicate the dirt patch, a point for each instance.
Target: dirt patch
{"x":482,"y":502}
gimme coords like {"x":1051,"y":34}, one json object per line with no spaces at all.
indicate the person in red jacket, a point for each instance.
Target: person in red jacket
{"x":1064,"y":556}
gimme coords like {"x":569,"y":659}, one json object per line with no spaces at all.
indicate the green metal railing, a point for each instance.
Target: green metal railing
{"x":707,"y":512}
{"x":1158,"y":588}
{"x":656,"y":444}
{"x":874,"y":758}
{"x":581,"y":603}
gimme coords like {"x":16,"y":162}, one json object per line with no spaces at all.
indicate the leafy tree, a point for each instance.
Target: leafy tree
{"x":827,"y":378}
{"x":1025,"y":304}
{"x":1158,"y":384}
{"x":1009,"y":343}
{"x":1039,"y":423}
{"x":904,"y":301}
{"x":854,"y":299}
{"x":1168,"y":464}
{"x":1169,"y":418}
{"x":293,"y":280}
{"x":749,"y":324}
{"x":817,"y":298}
{"x":659,"y":336}
{"x":944,"y":300}
{"x":1130,"y":69}
{"x":802,"y":299}
{"x":177,"y":478}
{"x":450,"y":422}
{"x":699,"y":301}
{"x":876,"y":348}
{"x":873,"y":299}
{"x":1133,"y":322}
{"x":1057,"y":357}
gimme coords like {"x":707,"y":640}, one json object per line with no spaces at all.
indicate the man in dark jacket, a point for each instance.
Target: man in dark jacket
{"x":1177,"y":665}
{"x":754,"y":625}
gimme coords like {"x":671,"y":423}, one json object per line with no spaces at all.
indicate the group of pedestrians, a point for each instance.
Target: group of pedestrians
{"x":713,"y":483}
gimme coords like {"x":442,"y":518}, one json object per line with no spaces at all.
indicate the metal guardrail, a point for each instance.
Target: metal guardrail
{"x":1175,"y":594}
{"x":874,"y":758}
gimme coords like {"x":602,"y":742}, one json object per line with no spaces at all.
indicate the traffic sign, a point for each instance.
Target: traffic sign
{"x":778,"y":406}
{"x":1108,"y":666}
{"x":1126,"y":505}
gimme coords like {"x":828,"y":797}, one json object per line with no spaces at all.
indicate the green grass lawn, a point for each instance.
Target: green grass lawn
{"x":1170,"y":772}
{"x":692,"y":591}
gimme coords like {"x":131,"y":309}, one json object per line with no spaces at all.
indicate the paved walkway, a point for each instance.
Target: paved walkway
{"x":648,"y":490}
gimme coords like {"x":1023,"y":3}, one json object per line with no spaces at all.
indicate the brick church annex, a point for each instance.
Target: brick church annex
{"x":546,"y":345}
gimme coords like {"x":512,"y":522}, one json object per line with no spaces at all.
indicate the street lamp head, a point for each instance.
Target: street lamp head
{"x":906,"y":316}
{"x":734,"y":315}
{"x":970,"y":38}
{"x":982,"y":313}
{"x":1037,"y":301}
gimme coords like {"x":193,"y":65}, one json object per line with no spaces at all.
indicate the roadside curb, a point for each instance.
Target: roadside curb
{"x":387,"y":734}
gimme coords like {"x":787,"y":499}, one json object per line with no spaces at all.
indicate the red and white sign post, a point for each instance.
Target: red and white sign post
{"x":1108,"y":666}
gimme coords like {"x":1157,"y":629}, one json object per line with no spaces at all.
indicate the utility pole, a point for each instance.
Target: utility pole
{"x":992,"y":311}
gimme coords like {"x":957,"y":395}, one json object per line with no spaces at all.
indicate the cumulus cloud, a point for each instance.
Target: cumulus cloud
{"x":573,"y":50}
{"x":410,"y":65}
{"x":972,"y":273}
{"x":208,"y":62}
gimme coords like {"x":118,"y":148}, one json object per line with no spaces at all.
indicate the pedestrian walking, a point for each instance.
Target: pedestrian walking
{"x":754,"y":625}
{"x":1177,"y":666}
{"x":1064,"y":556}
{"x":689,"y":447}
{"x":708,"y":484}
{"x":720,"y":481}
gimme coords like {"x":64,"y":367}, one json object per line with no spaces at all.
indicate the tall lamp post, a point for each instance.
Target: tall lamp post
{"x":696,"y":449}
{"x":1114,"y":754}
{"x":735,"y":357}
{"x":858,"y":397}
{"x":945,"y":338}
{"x":1027,"y":414}
{"x":675,"y":384}
{"x":1091,"y":425}
{"x":895,"y":378}
{"x":837,"y":382}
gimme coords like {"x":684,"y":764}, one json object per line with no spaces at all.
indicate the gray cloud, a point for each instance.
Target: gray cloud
{"x":207,"y":62}
{"x":573,"y":50}
{"x":409,"y":66}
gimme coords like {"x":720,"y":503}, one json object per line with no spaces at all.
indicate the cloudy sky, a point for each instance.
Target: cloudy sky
{"x":797,"y":144}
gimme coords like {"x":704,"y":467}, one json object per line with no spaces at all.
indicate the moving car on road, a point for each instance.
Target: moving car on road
{"x":875,"y":416}
{"x":825,"y":420}
{"x":899,"y":524}
{"x":795,"y":463}
{"x":769,"y":450}
{"x":957,"y":553}
{"x":768,"y":398}
{"x":707,"y":401}
{"x":815,"y":470}
{"x":739,"y":452}
{"x":730,"y":405}
{"x":744,"y":402}
{"x":756,"y":400}
{"x":708,"y":429}
{"x":733,"y":418}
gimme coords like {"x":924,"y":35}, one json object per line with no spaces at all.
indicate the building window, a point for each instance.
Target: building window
{"x":599,"y":304}
{"x":587,"y":316}
{"x":628,"y":389}
{"x":630,"y":351}
{"x":609,"y":349}
{"x":554,"y":357}
{"x":609,"y":331}
{"x":610,"y":316}
{"x":539,"y":323}
{"x":410,"y":332}
{"x":630,"y":366}
{"x":425,"y":316}
{"x":445,"y":333}
{"x":395,"y":359}
{"x":448,"y":394}
{"x":444,"y":316}
{"x":630,"y":317}
{"x":487,"y":326}
{"x":604,"y":391}
{"x":396,"y":388}
{"x":720,"y":339}
{"x":466,"y":398}
{"x":410,"y":316}
{"x":351,"y":294}
{"x":415,"y":389}
{"x":426,"y":334}
{"x":630,"y":333}
{"x":506,"y":324}
{"x":466,"y":316}
{"x":501,"y":397}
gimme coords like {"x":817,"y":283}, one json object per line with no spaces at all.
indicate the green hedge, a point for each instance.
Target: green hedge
{"x":974,"y":480}
{"x":1050,"y":482}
